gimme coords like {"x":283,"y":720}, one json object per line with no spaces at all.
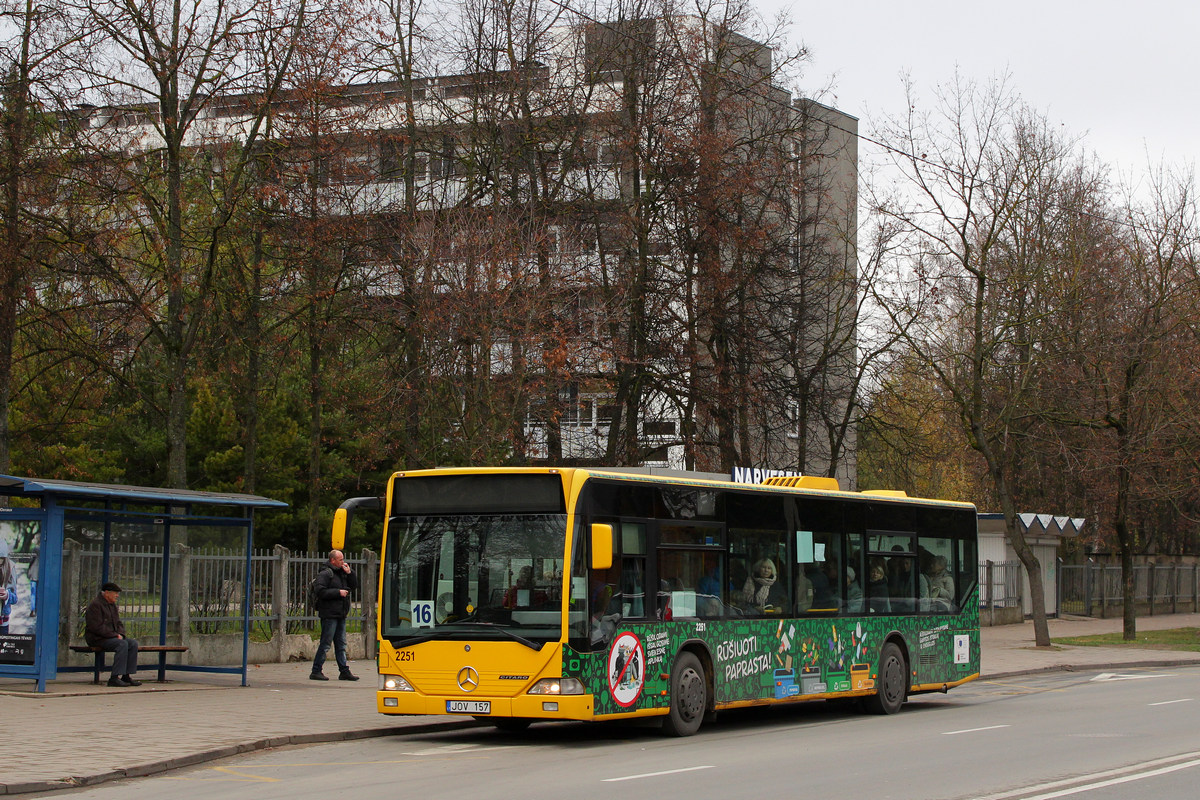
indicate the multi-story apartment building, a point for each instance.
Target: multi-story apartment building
{"x":635,"y":248}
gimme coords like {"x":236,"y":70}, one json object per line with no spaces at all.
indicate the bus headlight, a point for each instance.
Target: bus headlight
{"x":557,"y":686}
{"x":394,"y":683}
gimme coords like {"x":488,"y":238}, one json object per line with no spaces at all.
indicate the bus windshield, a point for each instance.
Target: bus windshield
{"x":474,"y":576}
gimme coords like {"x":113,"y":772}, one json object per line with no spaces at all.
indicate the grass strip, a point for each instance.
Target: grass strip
{"x":1169,"y":639}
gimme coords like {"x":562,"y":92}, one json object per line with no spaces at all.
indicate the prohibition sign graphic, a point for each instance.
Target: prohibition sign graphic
{"x":626,"y":669}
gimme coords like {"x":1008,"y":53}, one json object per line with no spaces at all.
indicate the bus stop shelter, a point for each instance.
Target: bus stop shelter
{"x":32,"y":537}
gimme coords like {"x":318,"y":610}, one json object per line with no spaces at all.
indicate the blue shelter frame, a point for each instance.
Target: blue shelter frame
{"x":35,"y":656}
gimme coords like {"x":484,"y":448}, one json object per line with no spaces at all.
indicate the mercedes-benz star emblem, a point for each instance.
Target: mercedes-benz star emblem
{"x":468,"y":679}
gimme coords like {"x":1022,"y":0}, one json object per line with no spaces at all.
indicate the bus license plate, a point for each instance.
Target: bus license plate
{"x":468,"y":706}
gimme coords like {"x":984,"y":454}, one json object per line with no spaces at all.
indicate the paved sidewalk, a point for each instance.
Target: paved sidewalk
{"x":1009,"y":649}
{"x":77,"y":734}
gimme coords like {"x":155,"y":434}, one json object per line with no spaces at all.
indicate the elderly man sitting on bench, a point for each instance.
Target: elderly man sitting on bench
{"x":104,"y":629}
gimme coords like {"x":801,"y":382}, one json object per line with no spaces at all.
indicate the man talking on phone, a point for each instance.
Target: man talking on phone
{"x":335,"y":582}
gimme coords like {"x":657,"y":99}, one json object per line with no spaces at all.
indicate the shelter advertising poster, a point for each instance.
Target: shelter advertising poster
{"x":19,"y":542}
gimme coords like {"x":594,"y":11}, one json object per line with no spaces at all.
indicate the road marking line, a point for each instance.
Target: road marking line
{"x":655,"y":774}
{"x":1087,"y":787}
{"x":973,"y":730}
{"x":1108,"y":773}
{"x":1126,"y":676}
{"x":454,"y":750}
{"x":238,"y":775}
{"x":1169,"y":702}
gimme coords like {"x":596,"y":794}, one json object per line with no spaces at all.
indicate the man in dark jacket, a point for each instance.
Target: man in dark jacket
{"x":335,"y":582}
{"x":103,"y":628}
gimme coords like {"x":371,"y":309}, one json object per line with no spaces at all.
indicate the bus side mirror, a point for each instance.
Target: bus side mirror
{"x":339,"y":529}
{"x":602,"y":545}
{"x":345,"y":515}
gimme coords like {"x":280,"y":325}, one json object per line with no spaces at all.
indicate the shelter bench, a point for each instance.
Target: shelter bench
{"x":161,"y":649}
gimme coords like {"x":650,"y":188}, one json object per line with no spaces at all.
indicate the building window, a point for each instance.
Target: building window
{"x":606,"y":413}
{"x":658,"y":427}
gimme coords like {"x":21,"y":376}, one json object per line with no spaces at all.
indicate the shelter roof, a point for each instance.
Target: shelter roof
{"x":1039,"y":524}
{"x":32,"y":487}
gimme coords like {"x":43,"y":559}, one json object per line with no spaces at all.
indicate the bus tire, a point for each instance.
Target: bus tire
{"x":689,"y":697}
{"x":507,"y":724}
{"x":892,"y":687}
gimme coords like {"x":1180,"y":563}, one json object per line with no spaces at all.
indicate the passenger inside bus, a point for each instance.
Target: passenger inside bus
{"x":854,"y":594}
{"x":823,"y":598}
{"x":708,"y":590}
{"x":606,"y":614}
{"x":878,"y":596}
{"x":763,"y":590}
{"x":925,"y":566}
{"x":804,"y":591}
{"x":941,"y":584}
{"x":833,"y":574}
{"x":899,"y":579}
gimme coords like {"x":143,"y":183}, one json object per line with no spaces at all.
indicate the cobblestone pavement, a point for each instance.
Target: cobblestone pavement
{"x":77,"y":734}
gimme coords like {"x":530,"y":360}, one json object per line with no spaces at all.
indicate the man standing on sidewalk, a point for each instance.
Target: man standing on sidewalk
{"x":103,"y":628}
{"x":335,"y":582}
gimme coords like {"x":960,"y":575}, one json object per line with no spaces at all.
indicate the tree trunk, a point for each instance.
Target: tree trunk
{"x":1012,"y":529}
{"x":1125,"y":542}
{"x":314,"y":429}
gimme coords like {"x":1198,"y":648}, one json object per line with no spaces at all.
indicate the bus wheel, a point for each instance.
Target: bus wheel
{"x":507,"y":724}
{"x":689,"y":697}
{"x":892,"y":688}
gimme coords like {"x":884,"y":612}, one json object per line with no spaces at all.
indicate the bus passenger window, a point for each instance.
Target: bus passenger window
{"x":680,"y":574}
{"x":817,"y":554}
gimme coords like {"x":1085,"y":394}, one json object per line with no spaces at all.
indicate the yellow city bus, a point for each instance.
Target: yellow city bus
{"x":517,"y":595}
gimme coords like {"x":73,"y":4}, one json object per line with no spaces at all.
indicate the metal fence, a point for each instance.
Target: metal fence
{"x":1095,"y":590}
{"x":1000,"y":584}
{"x":207,"y":590}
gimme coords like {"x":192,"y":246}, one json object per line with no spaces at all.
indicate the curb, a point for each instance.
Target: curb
{"x":1090,"y":667}
{"x":192,"y":759}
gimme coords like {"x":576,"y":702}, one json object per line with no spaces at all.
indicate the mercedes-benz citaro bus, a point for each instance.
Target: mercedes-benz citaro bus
{"x":517,"y":595}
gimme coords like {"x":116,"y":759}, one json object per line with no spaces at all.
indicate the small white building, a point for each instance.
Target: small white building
{"x":1043,"y":532}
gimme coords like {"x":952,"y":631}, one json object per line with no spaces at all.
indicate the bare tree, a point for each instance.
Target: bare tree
{"x":979,"y":179}
{"x":1120,"y":396}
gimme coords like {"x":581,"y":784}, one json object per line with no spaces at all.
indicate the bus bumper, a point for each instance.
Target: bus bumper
{"x":541,"y":706}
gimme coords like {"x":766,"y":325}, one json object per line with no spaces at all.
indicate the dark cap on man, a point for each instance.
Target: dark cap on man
{"x":110,"y":587}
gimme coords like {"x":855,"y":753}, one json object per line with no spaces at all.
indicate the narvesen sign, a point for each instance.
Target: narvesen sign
{"x":759,"y":474}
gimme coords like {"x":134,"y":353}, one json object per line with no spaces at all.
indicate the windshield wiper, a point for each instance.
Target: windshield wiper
{"x":532,"y":645}
{"x":408,"y":641}
{"x":450,"y":633}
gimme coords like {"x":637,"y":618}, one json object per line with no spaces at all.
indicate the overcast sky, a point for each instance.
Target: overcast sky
{"x":1125,"y":74}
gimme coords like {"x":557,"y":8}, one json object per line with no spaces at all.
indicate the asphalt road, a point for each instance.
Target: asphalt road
{"x":1094,"y":736}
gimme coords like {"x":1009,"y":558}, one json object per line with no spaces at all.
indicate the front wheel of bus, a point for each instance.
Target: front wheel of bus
{"x":892,"y":686}
{"x":689,"y":697}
